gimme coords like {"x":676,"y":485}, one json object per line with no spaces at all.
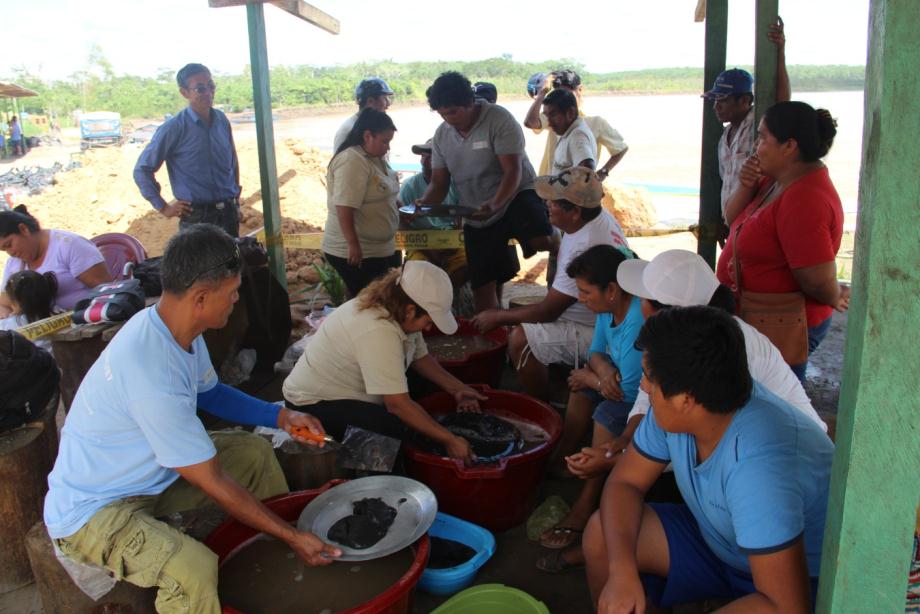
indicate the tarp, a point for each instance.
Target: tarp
{"x":11,"y":90}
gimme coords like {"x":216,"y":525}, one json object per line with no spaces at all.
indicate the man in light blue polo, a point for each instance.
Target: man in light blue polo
{"x":197,"y":146}
{"x":753,"y":471}
{"x":133,"y":449}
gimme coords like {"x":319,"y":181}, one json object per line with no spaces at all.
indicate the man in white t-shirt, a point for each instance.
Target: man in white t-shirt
{"x":559,"y":328}
{"x":606,"y":136}
{"x":576,"y":145}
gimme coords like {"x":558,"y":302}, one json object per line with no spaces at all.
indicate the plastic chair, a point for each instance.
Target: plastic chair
{"x":121,"y":252}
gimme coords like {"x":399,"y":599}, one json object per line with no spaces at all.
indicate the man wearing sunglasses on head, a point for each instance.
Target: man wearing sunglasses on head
{"x":133,"y":449}
{"x":197,"y":146}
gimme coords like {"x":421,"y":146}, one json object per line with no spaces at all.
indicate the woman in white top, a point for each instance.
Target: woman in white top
{"x":362,"y":191}
{"x":353,"y":371}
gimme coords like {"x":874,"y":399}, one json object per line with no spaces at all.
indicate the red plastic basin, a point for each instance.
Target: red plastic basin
{"x":497,"y":496}
{"x":484,"y":367}
{"x":396,"y":600}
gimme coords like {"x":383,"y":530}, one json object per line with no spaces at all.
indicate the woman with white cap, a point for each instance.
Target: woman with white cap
{"x":353,"y":371}
{"x":674,"y":278}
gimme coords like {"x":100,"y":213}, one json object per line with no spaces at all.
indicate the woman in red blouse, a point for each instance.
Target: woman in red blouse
{"x":785,"y":217}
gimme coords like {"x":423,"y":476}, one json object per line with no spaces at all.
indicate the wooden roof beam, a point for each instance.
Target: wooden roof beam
{"x":297,"y":8}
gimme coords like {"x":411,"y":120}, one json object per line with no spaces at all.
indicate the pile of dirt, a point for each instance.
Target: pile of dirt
{"x":632,"y":207}
{"x":101,"y":197}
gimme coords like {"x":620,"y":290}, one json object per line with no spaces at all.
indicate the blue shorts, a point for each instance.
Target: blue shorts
{"x":612,"y":415}
{"x":696,"y":573}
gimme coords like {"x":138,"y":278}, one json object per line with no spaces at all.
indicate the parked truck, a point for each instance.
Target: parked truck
{"x":99,"y":129}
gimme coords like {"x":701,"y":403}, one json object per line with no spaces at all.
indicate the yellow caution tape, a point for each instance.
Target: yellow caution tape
{"x":426,"y":239}
{"x":45,"y":327}
{"x":405,"y":239}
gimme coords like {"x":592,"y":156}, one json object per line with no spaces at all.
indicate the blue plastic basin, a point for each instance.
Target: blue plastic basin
{"x":452,"y":579}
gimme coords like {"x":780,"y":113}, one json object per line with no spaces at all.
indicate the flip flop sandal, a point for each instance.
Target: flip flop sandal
{"x":555,"y":563}
{"x":570,"y":534}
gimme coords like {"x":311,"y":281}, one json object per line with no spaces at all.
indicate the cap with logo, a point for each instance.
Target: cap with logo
{"x":677,"y":277}
{"x":578,"y":185}
{"x":731,"y":82}
{"x":430,"y":288}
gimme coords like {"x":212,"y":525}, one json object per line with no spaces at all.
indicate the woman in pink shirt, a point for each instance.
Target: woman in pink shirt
{"x":75,"y":261}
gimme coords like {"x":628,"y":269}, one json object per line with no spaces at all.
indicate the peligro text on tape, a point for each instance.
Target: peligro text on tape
{"x":45,"y":327}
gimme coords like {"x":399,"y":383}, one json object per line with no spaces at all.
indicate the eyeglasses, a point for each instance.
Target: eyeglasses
{"x":202,"y":88}
{"x":232,"y":263}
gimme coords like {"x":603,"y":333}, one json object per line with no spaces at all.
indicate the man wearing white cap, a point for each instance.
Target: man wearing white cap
{"x":680,"y":278}
{"x":558,"y":329}
{"x":353,"y":371}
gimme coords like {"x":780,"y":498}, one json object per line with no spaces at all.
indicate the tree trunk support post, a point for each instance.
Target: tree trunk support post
{"x":265,"y":138}
{"x":710,"y":214}
{"x":875,"y":483}
{"x":764,"y":59}
{"x":262,"y":100}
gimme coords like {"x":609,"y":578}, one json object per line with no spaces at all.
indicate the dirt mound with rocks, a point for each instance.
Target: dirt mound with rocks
{"x":101,"y":197}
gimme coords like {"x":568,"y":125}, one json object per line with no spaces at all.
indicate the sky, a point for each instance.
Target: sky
{"x":147,"y":37}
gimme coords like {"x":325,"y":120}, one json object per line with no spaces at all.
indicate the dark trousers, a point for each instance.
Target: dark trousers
{"x":356,"y":278}
{"x":226,"y":217}
{"x":337,"y":416}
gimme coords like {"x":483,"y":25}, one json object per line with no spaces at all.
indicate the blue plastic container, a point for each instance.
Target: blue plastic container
{"x":449,"y":581}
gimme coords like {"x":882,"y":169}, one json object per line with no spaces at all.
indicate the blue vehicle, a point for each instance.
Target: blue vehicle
{"x":99,"y":129}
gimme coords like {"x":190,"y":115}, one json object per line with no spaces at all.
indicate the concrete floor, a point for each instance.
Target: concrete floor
{"x":514,"y":561}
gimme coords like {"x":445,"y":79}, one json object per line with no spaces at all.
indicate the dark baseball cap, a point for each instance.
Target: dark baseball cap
{"x":422,"y":148}
{"x":372,"y":86}
{"x":731,"y":82}
{"x":486,"y":91}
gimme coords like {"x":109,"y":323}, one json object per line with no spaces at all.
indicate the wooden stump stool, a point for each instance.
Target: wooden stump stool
{"x":61,"y":596}
{"x":26,"y":457}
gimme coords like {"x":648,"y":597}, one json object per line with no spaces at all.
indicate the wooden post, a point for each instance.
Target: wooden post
{"x":25,"y":462}
{"x":710,"y":216}
{"x":764,"y":59}
{"x":265,"y":137}
{"x":875,"y":481}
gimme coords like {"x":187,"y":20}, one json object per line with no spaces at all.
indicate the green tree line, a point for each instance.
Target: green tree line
{"x":98,"y":88}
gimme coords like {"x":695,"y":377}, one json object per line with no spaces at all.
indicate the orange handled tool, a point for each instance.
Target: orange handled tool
{"x":305,"y":433}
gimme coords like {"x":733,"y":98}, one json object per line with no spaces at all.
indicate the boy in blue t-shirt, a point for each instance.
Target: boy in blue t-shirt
{"x":754,"y":473}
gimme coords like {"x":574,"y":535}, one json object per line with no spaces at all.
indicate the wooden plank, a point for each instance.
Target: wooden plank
{"x":265,"y":140}
{"x":310,"y":14}
{"x":710,"y":213}
{"x":764,"y":59}
{"x":875,"y":482}
{"x":297,"y":8}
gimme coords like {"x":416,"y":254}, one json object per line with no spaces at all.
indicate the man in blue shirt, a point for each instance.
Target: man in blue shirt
{"x":133,"y":450}
{"x":453,"y":261}
{"x":753,"y":472}
{"x":197,"y":146}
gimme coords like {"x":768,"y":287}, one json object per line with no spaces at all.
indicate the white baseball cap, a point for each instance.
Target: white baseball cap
{"x":430,"y":287}
{"x":677,"y":277}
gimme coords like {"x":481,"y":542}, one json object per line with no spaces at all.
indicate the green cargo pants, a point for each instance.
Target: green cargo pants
{"x":125,"y":537}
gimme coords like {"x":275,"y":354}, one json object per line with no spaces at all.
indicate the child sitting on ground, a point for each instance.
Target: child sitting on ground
{"x":33,"y":296}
